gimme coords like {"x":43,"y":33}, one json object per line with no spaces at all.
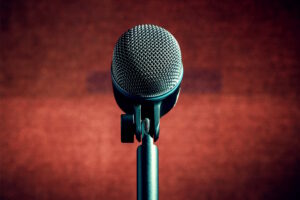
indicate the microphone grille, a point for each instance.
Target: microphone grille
{"x":147,"y":61}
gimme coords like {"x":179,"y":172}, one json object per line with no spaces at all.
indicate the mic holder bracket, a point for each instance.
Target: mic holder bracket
{"x":132,"y":124}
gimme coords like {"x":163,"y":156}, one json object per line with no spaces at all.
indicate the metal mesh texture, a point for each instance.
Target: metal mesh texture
{"x":147,"y":61}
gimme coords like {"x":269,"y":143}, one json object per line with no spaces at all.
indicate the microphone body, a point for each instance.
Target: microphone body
{"x":146,"y":73}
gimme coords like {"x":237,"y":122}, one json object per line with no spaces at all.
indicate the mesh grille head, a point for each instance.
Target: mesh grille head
{"x":147,"y":61}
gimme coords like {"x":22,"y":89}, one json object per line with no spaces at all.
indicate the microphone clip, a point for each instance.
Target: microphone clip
{"x":132,"y":124}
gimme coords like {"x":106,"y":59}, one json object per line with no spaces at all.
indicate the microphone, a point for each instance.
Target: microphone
{"x":146,"y":74}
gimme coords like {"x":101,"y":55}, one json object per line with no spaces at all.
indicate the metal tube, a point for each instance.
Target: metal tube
{"x":147,"y":170}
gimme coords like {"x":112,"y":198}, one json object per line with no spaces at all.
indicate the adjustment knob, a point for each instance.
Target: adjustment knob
{"x":127,"y":128}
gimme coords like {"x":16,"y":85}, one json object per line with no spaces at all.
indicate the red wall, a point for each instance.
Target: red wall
{"x":234,"y":133}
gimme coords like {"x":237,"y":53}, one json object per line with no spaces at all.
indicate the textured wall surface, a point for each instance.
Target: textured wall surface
{"x":234,"y":133}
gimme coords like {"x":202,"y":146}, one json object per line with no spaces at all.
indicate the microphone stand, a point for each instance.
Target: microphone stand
{"x":147,"y":166}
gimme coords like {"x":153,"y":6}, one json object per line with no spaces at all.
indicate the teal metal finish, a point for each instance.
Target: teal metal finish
{"x":147,"y":169}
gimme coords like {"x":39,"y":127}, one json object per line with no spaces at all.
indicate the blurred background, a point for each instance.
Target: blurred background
{"x":234,"y":133}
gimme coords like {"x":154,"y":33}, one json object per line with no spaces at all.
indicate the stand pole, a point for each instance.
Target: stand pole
{"x":147,"y":169}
